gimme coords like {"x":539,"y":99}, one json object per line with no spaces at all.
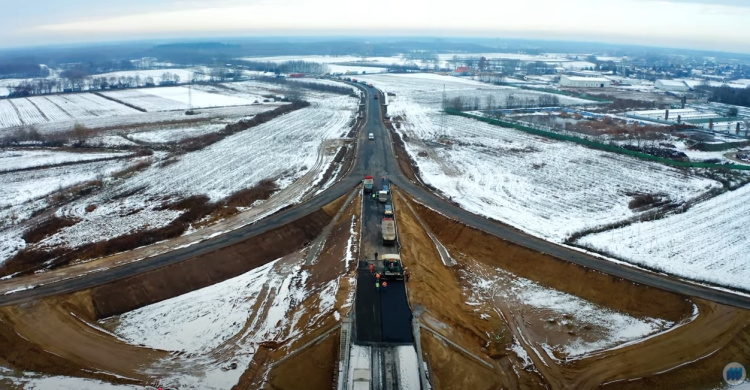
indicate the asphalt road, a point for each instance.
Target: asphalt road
{"x":381,"y":316}
{"x":369,"y":159}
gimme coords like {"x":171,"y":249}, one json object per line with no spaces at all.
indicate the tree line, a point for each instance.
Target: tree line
{"x":284,"y":67}
{"x":728,"y":95}
{"x":464,"y":103}
{"x":77,"y":80}
{"x":293,"y":92}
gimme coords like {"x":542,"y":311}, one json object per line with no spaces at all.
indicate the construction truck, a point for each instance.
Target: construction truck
{"x":392,"y":267}
{"x":368,"y":184}
{"x":383,"y":196}
{"x":388,"y":229}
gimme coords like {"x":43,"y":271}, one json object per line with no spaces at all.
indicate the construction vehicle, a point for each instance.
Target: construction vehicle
{"x":368,"y":184}
{"x":388,"y":229}
{"x":392,"y":267}
{"x":383,"y":196}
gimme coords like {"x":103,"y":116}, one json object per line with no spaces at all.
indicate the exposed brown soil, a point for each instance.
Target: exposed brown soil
{"x":599,"y":288}
{"x":194,"y":208}
{"x":314,"y":367}
{"x":441,"y":292}
{"x":57,"y":336}
{"x":207,"y":269}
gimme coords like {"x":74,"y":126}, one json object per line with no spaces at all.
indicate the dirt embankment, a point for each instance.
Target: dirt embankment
{"x":690,"y":355}
{"x":594,"y":286}
{"x":59,"y":336}
{"x":436,"y":289}
{"x":204,"y":270}
{"x":315,"y":367}
{"x":719,"y":336}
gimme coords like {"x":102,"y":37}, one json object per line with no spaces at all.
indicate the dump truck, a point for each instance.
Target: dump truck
{"x":368,"y":184}
{"x":392,"y":267}
{"x":388,"y":228}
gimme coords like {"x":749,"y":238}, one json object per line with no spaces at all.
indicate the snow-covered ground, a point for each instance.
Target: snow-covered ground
{"x":424,"y":92}
{"x":347,"y":69}
{"x":548,"y":188}
{"x":24,"y":193}
{"x":175,"y":98}
{"x":283,"y":149}
{"x":36,"y":381}
{"x":596,"y":328}
{"x":54,"y":108}
{"x":21,"y":187}
{"x":175,"y":134}
{"x":20,"y":159}
{"x":408,"y":368}
{"x":708,"y":242}
{"x":286,"y":147}
{"x":224,"y":323}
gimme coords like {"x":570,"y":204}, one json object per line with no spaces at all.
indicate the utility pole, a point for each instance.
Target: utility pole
{"x":442,"y":112}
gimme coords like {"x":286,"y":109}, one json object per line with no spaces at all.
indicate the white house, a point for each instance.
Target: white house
{"x":584,"y":82}
{"x":672,"y":85}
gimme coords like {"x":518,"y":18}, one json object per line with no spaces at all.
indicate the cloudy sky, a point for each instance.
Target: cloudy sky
{"x":700,"y":24}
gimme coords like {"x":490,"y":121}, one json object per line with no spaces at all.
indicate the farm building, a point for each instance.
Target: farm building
{"x":584,"y":82}
{"x":684,"y":114}
{"x":672,"y":85}
{"x":461,"y":71}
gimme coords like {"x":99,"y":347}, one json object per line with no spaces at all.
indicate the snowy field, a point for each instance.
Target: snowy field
{"x":44,"y":109}
{"x":283,"y":149}
{"x":21,"y":187}
{"x":24,"y":193}
{"x":175,"y":98}
{"x":22,"y":159}
{"x":332,"y":68}
{"x":286,"y":147}
{"x":35,"y":381}
{"x":548,"y":188}
{"x":596,"y":328}
{"x":708,"y":242}
{"x":424,"y":92}
{"x":174,"y":134}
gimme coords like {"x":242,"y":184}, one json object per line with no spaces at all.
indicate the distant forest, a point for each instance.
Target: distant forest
{"x":728,"y":95}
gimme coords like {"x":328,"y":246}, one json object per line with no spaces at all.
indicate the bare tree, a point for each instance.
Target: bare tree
{"x":490,"y":99}
{"x":456,"y":103}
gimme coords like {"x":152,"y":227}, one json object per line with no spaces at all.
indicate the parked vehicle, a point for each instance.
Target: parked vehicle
{"x":388,"y":229}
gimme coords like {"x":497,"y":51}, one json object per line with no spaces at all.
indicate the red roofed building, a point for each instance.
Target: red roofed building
{"x":461,"y":71}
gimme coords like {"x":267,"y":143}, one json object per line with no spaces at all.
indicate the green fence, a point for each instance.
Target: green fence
{"x":597,"y":145}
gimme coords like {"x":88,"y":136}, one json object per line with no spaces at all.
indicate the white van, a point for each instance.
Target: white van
{"x":371,"y":136}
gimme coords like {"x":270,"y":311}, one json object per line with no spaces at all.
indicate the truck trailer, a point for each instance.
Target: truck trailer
{"x":388,"y":229}
{"x":368,"y":184}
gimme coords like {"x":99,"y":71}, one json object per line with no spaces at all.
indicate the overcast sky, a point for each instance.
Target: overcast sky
{"x":697,"y":24}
